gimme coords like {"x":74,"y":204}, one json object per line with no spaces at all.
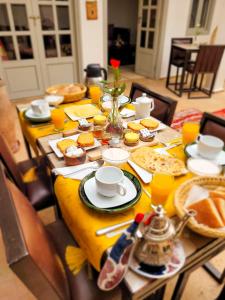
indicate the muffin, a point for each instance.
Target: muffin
{"x":146,"y":135}
{"x":131,"y":139}
{"x":74,"y":156}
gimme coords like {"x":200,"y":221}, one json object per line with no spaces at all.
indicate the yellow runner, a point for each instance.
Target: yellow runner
{"x":83,"y":222}
{"x":33,"y":133}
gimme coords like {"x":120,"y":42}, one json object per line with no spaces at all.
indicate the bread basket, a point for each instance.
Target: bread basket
{"x":68,"y":97}
{"x":209,"y":182}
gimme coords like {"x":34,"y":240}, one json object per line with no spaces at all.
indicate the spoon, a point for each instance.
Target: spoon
{"x":93,"y":165}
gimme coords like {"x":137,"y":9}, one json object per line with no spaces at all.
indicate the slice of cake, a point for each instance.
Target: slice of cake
{"x":207,"y":213}
{"x":86,"y":139}
{"x":63,"y":144}
{"x":150,"y":123}
{"x":136,"y":127}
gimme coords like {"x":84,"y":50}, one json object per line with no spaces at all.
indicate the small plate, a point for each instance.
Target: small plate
{"x":160,"y":127}
{"x":53,"y":144}
{"x":122,"y":204}
{"x":122,"y":100}
{"x":176,"y":263}
{"x":192,"y":151}
{"x":30,"y":116}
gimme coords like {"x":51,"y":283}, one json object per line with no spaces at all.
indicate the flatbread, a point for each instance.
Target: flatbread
{"x":153,"y":162}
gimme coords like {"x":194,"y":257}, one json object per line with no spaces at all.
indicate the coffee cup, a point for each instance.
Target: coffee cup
{"x":109,"y":181}
{"x":40,"y":107}
{"x":209,"y":146}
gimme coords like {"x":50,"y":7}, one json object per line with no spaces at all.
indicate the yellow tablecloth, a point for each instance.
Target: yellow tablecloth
{"x":33,"y":133}
{"x":83,"y":222}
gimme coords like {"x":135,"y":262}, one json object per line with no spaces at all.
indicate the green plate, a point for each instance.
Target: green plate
{"x":116,"y":209}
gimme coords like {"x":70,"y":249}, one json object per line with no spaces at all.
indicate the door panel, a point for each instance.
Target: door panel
{"x":147,"y":36}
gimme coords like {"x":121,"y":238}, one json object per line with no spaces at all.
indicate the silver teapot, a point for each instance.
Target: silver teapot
{"x":156,"y":241}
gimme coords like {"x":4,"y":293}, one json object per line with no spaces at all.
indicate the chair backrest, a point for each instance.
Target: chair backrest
{"x":213,"y":125}
{"x":208,"y":59}
{"x":164,"y":107}
{"x":10,"y":164}
{"x":30,"y":253}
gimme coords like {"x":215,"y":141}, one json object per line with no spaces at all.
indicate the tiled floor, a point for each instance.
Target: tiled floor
{"x":200,"y":285}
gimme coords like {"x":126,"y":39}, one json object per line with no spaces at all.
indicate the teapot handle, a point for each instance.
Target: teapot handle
{"x":105,"y":73}
{"x":152,"y":105}
{"x":198,"y":138}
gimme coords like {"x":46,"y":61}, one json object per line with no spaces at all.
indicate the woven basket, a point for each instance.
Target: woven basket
{"x":68,"y":97}
{"x":181,"y":195}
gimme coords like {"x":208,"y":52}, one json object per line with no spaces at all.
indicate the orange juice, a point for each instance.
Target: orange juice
{"x":58,"y":118}
{"x":161,"y":186}
{"x":190,"y":131}
{"x":95,"y":94}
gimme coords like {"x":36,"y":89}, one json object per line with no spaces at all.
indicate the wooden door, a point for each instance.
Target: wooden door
{"x":19,"y":56}
{"x":149,"y":12}
{"x":55,"y":36}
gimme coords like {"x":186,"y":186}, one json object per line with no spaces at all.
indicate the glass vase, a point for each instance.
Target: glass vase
{"x":115,"y":125}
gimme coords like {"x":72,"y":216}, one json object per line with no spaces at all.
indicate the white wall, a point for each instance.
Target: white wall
{"x":176,"y":26}
{"x":124,"y":13}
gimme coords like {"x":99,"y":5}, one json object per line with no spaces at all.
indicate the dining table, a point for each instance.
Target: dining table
{"x":83,"y":222}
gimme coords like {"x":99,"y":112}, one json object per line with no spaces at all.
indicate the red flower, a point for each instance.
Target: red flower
{"x":115,"y":63}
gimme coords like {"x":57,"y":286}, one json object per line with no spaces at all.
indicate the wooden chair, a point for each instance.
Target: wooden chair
{"x":164,"y":107}
{"x":38,"y":189}
{"x":177,"y":59}
{"x":36,"y":254}
{"x":207,"y":62}
{"x":213,"y":125}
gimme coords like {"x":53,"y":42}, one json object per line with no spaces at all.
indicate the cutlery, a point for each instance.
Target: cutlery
{"x":93,"y":165}
{"x":108,"y":229}
{"x":41,"y":125}
{"x":145,"y":176}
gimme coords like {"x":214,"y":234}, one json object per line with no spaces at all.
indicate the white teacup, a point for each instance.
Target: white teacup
{"x":40,"y":107}
{"x":209,"y":146}
{"x":109,"y":181}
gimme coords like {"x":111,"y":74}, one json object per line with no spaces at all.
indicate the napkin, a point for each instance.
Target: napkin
{"x":126,"y":113}
{"x":79,"y":175}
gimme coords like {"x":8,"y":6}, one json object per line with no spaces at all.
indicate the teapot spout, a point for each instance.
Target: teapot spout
{"x":183,"y":222}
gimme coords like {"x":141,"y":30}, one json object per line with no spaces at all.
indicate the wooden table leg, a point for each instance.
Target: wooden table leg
{"x":219,"y":277}
{"x":180,"y":286}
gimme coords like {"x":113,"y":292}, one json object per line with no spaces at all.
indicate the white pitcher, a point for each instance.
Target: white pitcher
{"x":143,"y":106}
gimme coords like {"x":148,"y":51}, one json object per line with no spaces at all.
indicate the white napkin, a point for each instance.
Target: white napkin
{"x":79,"y":175}
{"x":196,"y":194}
{"x":126,"y":113}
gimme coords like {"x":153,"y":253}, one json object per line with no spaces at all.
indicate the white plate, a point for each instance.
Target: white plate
{"x":160,"y":127}
{"x":53,"y":144}
{"x":107,"y":202}
{"x":29,"y":113}
{"x":176,"y":263}
{"x":115,"y":156}
{"x":145,"y":176}
{"x":192,"y":151}
{"x":203,"y":167}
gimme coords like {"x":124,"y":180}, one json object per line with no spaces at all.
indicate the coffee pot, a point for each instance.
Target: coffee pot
{"x":95,"y":74}
{"x":143,"y":106}
{"x":156,"y":240}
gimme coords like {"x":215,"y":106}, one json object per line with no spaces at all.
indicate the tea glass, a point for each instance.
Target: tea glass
{"x":58,"y":119}
{"x":95,"y":93}
{"x":190,"y":132}
{"x":161,"y":186}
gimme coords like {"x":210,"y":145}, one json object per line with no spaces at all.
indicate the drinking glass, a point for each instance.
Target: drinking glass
{"x":95,"y":93}
{"x":161,"y":186}
{"x":190,"y":132}
{"x":58,"y":118}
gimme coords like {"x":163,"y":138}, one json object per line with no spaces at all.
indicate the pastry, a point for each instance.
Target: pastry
{"x":148,"y":159}
{"x":74,"y":156}
{"x":63,"y":144}
{"x":84,"y":124}
{"x":99,"y":120}
{"x":146,"y":135}
{"x":207,"y":213}
{"x":135,"y":126}
{"x":149,"y":123}
{"x":220,"y":205}
{"x":131,"y":139}
{"x":85,"y":140}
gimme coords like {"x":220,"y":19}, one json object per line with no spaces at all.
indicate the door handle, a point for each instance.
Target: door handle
{"x":34,"y":18}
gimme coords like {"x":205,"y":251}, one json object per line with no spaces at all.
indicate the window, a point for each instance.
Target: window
{"x":200,"y":16}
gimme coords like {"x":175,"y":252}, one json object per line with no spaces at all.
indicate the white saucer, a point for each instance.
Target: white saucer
{"x":176,"y":263}
{"x":192,"y":151}
{"x":101,"y":201}
{"x":29,"y":113}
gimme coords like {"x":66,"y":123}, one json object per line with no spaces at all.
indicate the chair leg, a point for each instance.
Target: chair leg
{"x":177,"y":76}
{"x":28,"y":148}
{"x":180,"y":286}
{"x":219,"y":277}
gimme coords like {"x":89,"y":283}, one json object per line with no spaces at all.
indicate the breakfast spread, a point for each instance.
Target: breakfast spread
{"x":146,"y":135}
{"x":131,"y":139}
{"x":211,"y":211}
{"x":151,"y":161}
{"x":149,"y":123}
{"x":64,"y":144}
{"x":85,"y":139}
{"x":136,"y":127}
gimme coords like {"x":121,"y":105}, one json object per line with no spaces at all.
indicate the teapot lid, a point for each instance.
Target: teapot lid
{"x":144,"y":99}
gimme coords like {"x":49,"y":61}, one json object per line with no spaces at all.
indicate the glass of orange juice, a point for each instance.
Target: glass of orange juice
{"x":58,"y":118}
{"x":161,"y":186}
{"x":95,"y":93}
{"x":190,"y":132}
